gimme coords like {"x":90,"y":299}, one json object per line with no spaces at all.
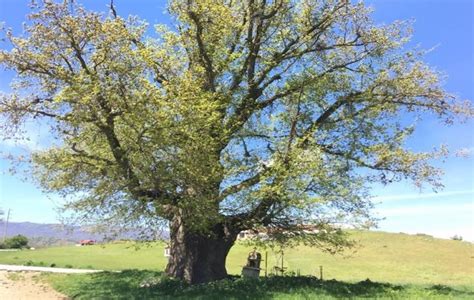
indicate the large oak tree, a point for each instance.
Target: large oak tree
{"x":244,"y":114}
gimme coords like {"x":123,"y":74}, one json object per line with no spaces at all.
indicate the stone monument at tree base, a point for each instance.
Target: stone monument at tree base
{"x":252,"y":269}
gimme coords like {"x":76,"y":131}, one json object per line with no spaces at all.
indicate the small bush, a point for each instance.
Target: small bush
{"x":29,"y":263}
{"x":69,"y":266}
{"x":424,"y":235}
{"x":52,"y":265}
{"x":16,"y":242}
{"x":456,"y":238}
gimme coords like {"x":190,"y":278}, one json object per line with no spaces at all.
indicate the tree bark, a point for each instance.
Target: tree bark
{"x":199,"y":257}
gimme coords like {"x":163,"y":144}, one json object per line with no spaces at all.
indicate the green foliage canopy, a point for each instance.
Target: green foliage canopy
{"x":253,"y":113}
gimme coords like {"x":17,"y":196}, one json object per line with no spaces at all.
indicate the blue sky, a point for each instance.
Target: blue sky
{"x":446,"y":25}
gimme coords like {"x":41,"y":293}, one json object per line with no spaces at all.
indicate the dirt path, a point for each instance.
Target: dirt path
{"x":24,"y":286}
{"x":46,"y":269}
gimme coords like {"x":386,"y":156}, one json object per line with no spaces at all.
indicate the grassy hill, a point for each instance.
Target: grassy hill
{"x":381,"y":257}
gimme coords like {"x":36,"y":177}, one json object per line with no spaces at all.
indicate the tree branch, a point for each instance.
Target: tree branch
{"x":206,"y":60}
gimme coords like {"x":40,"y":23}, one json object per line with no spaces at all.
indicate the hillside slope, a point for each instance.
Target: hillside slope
{"x":382,"y":257}
{"x":389,"y":257}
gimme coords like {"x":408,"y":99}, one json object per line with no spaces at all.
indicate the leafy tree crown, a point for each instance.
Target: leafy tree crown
{"x":253,"y":113}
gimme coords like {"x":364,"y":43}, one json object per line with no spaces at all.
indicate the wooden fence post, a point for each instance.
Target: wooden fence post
{"x":282,"y":256}
{"x":266,"y":262}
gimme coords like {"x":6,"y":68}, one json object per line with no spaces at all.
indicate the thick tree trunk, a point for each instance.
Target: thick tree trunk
{"x":196,"y":257}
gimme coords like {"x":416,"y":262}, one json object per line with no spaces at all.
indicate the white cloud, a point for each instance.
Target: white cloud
{"x":417,"y":196}
{"x":465,"y":152}
{"x":442,"y":220}
{"x":424,"y":210}
{"x":29,"y":145}
{"x":34,"y":136}
{"x":466,"y":232}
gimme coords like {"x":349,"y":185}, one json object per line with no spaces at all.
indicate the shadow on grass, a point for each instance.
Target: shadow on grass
{"x":138,"y":284}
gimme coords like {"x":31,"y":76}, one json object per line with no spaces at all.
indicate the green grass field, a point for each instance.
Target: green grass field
{"x":408,"y":266}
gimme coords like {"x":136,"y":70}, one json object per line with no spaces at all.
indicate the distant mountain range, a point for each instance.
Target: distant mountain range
{"x":57,"y":231}
{"x":56,"y":234}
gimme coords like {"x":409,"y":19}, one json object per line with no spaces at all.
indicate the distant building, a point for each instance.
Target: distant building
{"x":263,"y":232}
{"x":87,"y":242}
